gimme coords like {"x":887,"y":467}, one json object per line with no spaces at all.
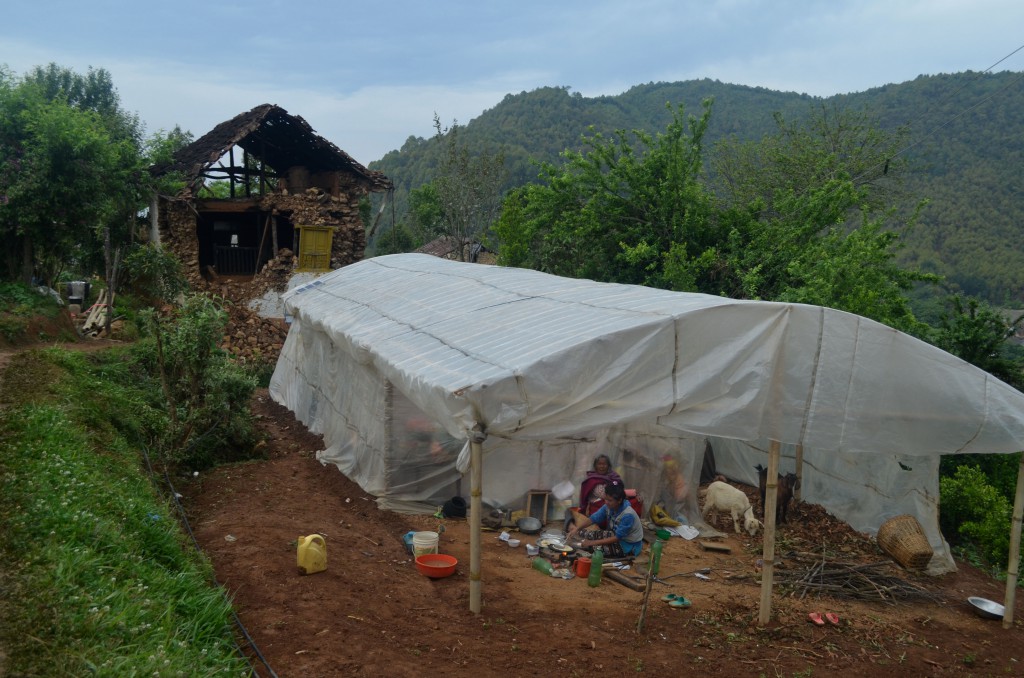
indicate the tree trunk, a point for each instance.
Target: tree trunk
{"x":26,"y":260}
{"x":113,"y":261}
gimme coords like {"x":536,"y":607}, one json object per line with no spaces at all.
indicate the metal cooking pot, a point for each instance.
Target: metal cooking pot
{"x":986,"y":608}
{"x":529,"y":525}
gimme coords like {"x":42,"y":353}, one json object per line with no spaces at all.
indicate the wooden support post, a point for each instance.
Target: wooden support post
{"x":245,"y":173}
{"x":476,"y":458}
{"x":768,"y":554}
{"x":263,"y":240}
{"x":1013,"y":568}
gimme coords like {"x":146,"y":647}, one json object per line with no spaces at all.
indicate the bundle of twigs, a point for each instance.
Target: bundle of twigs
{"x":861,"y":581}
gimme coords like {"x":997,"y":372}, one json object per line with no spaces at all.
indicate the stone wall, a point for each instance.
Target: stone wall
{"x":249,"y":336}
{"x":177,"y":222}
{"x":315,"y":207}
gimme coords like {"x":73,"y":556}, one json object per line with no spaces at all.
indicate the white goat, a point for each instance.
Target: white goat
{"x":724,"y":497}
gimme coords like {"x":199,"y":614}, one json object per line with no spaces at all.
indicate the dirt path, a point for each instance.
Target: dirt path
{"x":370,"y":613}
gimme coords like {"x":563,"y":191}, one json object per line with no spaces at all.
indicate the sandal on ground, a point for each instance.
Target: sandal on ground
{"x":669,"y":597}
{"x":680,"y":601}
{"x":832,"y":618}
{"x":815,"y":618}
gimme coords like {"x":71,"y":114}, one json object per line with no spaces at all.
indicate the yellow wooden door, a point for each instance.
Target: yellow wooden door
{"x":315,"y":248}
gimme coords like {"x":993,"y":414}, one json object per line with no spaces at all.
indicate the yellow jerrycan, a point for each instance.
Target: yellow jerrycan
{"x":312,"y":554}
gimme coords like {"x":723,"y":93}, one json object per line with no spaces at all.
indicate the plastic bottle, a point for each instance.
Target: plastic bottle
{"x":596,"y":561}
{"x":656,"y":549}
{"x":542,"y":565}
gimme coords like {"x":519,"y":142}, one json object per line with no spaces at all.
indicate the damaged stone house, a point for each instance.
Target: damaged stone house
{"x":264,"y":197}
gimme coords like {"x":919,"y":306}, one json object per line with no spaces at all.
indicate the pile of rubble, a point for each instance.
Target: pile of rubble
{"x":249,"y":336}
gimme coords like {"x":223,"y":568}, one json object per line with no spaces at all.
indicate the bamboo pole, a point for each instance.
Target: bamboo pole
{"x":768,"y":552}
{"x":476,"y":455}
{"x":1013,"y":568}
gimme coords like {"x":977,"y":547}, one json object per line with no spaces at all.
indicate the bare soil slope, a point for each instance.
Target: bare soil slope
{"x":371,"y":613}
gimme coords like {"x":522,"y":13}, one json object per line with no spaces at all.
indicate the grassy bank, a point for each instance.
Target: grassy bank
{"x":96,"y":575}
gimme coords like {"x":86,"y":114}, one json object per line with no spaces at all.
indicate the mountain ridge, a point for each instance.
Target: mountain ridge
{"x":966,"y":152}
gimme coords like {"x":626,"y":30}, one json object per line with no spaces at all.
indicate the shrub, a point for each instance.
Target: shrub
{"x":154,"y":274}
{"x":977,"y":513}
{"x":206,"y":395}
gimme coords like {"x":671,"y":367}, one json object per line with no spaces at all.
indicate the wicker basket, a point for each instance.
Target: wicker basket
{"x":903,"y":538}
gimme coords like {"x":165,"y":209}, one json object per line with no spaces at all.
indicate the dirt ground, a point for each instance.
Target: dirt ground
{"x":371,"y":613}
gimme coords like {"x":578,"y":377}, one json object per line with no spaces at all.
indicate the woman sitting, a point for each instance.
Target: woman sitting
{"x":624,"y":535}
{"x":592,"y":487}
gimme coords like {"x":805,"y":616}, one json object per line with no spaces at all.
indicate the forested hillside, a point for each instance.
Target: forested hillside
{"x":965,"y":152}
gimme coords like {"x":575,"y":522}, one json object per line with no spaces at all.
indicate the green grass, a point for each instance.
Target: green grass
{"x":96,"y":576}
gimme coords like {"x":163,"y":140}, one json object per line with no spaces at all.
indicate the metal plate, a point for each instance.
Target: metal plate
{"x":989,"y":609}
{"x":554,"y":545}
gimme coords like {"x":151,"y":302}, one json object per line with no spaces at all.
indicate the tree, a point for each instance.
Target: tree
{"x":802,"y":216}
{"x":159,"y":149}
{"x":831,"y":144}
{"x":467,"y":188}
{"x":812,"y":212}
{"x":973,"y":331}
{"x":70,"y":167}
{"x":630,"y":208}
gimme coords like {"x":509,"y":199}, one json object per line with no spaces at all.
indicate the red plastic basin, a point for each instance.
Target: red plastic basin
{"x":436,"y":565}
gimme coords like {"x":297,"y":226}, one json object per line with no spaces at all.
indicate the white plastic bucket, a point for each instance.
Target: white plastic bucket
{"x":423,"y":543}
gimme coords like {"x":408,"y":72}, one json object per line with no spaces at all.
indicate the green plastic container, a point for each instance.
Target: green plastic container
{"x":596,"y":562}
{"x":656,"y":548}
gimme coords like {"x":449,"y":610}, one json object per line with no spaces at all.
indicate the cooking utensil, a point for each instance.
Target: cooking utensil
{"x":989,"y":609}
{"x":529,"y":525}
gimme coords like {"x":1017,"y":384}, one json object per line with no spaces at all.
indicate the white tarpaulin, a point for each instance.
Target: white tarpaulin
{"x":395,"y":359}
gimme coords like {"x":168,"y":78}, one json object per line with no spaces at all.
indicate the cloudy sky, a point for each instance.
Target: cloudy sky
{"x":369,"y":75}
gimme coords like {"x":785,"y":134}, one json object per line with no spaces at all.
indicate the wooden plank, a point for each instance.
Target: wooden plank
{"x":620,"y":578}
{"x":236,"y":205}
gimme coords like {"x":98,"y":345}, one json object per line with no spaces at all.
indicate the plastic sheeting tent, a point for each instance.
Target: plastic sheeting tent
{"x":396,"y":359}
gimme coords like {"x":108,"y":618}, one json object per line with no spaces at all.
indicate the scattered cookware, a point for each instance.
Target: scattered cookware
{"x":436,"y":565}
{"x":529,"y":525}
{"x":989,"y":609}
